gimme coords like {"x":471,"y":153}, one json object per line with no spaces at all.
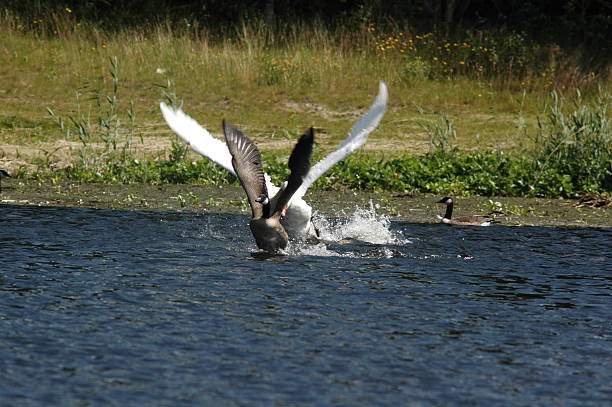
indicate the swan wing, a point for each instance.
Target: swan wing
{"x":356,"y":138}
{"x":200,"y":140}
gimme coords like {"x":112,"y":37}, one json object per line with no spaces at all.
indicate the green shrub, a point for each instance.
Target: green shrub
{"x":416,"y":69}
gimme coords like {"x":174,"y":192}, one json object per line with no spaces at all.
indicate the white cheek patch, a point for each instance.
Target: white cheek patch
{"x":263,"y":200}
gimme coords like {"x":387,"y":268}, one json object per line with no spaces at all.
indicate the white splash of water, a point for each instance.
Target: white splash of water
{"x":387,"y":253}
{"x":319,"y":249}
{"x":365,"y":225}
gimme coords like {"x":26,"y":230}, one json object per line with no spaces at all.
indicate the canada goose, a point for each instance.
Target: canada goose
{"x":3,"y":173}
{"x":265,"y":224}
{"x":297,"y":221}
{"x":474,"y":220}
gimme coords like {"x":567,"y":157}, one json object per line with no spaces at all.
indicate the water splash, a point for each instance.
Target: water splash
{"x":324,"y":250}
{"x":319,"y":249}
{"x":345,"y":237}
{"x":364,"y":225}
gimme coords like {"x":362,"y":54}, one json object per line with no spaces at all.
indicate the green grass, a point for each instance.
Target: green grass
{"x":572,"y":155}
{"x":447,"y":100}
{"x":573,"y":148}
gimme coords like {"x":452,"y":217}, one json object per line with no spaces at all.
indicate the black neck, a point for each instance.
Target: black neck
{"x":267,"y":210}
{"x":449,"y":211}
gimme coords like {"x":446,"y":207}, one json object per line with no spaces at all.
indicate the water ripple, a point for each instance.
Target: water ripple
{"x":142,"y":308}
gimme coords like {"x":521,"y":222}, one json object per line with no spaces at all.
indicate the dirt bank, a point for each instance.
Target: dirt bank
{"x":197,"y":198}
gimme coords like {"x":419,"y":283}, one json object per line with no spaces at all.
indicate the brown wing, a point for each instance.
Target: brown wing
{"x":246,"y":161}
{"x":473,"y":218}
{"x":299,"y":164}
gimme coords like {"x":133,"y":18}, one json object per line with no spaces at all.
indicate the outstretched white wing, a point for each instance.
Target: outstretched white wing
{"x":216,"y":150}
{"x":356,"y":138}
{"x":197,"y":137}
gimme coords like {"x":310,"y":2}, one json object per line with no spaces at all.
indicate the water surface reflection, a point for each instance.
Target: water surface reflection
{"x":141,"y":308}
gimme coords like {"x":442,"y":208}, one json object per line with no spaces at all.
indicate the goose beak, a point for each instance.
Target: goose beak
{"x":284,"y":211}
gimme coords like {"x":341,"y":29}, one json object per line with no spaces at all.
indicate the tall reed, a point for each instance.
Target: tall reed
{"x":573,"y":146}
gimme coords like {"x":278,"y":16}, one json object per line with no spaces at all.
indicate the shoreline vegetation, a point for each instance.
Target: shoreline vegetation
{"x":414,"y":208}
{"x":482,"y":112}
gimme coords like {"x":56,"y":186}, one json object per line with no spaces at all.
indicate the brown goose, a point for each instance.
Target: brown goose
{"x":474,"y":220}
{"x":265,"y":224}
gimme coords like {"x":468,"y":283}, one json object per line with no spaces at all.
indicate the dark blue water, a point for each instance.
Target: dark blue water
{"x":110,"y":308}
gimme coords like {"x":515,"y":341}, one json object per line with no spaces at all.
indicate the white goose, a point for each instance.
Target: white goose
{"x":297,"y":221}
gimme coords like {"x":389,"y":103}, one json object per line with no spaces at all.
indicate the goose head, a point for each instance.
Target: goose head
{"x":447,"y":200}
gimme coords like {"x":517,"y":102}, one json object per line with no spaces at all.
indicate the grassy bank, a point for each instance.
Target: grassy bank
{"x":475,"y":116}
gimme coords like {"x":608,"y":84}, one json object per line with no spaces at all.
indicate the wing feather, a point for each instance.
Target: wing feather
{"x":299,"y":164}
{"x":200,"y":140}
{"x":357,"y":136}
{"x":246,"y":161}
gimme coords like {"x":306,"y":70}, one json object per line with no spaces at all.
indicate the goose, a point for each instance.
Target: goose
{"x":298,"y":219}
{"x":3,"y":173}
{"x":265,"y":224}
{"x":474,"y":220}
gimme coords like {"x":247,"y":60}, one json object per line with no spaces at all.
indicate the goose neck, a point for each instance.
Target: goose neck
{"x":449,"y":211}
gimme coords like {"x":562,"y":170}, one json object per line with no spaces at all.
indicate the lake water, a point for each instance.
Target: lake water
{"x":129,"y":308}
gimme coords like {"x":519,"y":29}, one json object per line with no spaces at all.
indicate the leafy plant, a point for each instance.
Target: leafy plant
{"x":440,"y":132}
{"x":416,"y":69}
